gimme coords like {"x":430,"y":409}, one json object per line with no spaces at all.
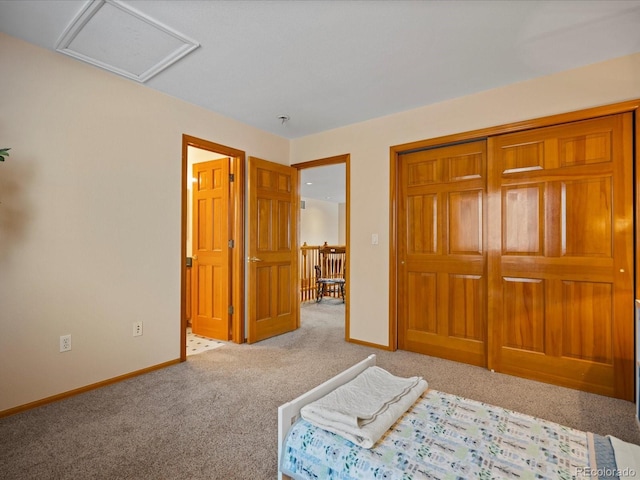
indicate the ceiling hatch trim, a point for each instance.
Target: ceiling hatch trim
{"x":117,"y":38}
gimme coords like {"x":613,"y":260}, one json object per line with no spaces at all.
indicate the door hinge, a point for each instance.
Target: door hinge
{"x":230,"y":309}
{"x":232,"y":243}
{"x":232,"y":177}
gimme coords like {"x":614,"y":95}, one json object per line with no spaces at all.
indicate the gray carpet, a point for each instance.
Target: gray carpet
{"x":215,"y":416}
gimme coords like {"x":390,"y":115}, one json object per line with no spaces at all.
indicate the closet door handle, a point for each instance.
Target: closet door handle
{"x":254,"y":259}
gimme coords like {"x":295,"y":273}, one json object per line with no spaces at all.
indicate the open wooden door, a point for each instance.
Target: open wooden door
{"x":211,"y":251}
{"x":273,"y":303}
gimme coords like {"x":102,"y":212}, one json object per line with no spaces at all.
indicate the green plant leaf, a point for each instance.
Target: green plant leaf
{"x":4,"y":152}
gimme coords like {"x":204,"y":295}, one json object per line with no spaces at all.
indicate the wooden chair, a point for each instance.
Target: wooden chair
{"x":323,"y":282}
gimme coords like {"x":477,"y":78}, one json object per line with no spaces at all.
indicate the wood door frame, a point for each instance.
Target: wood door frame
{"x":483,"y":133}
{"x":237,"y":232}
{"x":321,"y":162}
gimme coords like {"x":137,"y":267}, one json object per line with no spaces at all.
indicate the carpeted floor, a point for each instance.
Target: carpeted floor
{"x":215,"y":416}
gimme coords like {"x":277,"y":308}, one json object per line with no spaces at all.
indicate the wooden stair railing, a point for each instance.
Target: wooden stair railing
{"x":332,"y":262}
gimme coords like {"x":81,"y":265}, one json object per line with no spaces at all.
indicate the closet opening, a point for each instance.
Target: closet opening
{"x":517,"y":252}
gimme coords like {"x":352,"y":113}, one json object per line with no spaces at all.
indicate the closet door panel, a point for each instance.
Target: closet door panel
{"x":523,"y":232}
{"x":560,"y":269}
{"x":466,"y":299}
{"x":465,"y":222}
{"x":587,"y":321}
{"x":587,"y":217}
{"x":422,"y":311}
{"x":441,"y":246}
{"x":524,"y":300}
{"x":422,"y":232}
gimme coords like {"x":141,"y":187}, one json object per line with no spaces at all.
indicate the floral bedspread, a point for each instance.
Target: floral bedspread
{"x":444,"y":436}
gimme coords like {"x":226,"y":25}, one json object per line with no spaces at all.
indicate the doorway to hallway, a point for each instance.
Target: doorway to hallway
{"x":333,"y":177}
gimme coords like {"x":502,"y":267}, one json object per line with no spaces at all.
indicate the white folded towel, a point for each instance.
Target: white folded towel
{"x":363,"y":409}
{"x":627,"y":458}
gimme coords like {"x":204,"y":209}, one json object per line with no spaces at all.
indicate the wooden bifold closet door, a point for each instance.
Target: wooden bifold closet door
{"x":516,"y":253}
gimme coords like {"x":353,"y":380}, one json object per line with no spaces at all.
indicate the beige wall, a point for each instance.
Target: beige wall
{"x":90,"y":219}
{"x":319,"y":222}
{"x":369,"y":142}
{"x":90,"y":212}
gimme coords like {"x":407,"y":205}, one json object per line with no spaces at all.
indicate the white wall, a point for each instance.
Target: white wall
{"x":319,"y":222}
{"x":369,"y":143}
{"x":90,"y":219}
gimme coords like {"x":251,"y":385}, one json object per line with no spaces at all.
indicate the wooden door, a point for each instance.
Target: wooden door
{"x":561,"y":255}
{"x":211,"y":253}
{"x":273,"y":303}
{"x":441,"y":252}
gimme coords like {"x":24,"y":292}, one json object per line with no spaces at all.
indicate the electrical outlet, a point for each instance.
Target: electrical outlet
{"x":137,"y":329}
{"x":65,"y":343}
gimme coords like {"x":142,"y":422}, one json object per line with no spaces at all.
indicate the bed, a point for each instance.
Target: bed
{"x":443,"y":436}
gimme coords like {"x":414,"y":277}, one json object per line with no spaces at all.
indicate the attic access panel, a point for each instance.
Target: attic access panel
{"x":115,"y":37}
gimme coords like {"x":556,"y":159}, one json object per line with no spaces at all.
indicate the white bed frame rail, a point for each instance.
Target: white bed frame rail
{"x":289,"y":412}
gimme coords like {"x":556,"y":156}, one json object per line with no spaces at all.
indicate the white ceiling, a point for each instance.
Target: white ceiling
{"x":327,"y":63}
{"x":327,"y":183}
